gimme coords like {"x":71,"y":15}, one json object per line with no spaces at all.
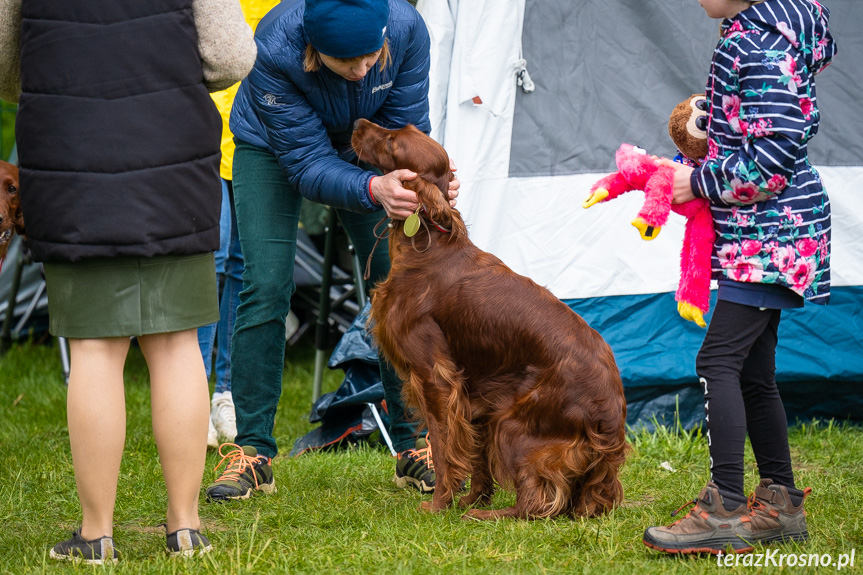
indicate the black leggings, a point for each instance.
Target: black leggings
{"x":737,"y":367}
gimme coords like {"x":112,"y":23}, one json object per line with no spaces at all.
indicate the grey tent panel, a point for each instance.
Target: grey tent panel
{"x":611,"y":72}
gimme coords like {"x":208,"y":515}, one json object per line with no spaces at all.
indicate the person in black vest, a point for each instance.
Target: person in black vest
{"x":118,"y":144}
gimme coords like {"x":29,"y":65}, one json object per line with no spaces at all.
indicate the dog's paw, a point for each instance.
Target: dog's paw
{"x":478,"y":515}
{"x":428,"y":507}
{"x":474,"y":499}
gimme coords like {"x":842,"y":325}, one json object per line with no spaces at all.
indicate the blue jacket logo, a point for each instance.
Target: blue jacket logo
{"x":382,"y":87}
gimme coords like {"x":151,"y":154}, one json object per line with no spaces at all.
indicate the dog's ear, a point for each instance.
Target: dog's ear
{"x":15,"y":211}
{"x":437,"y":208}
{"x":18,"y":214}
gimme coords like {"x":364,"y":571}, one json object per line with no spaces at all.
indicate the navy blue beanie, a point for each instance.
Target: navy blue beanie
{"x":346,"y":28}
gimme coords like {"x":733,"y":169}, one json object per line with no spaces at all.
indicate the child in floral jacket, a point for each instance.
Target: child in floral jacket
{"x":772,"y":252}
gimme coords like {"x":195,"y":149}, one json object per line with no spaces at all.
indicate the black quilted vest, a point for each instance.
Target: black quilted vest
{"x":118,"y":138}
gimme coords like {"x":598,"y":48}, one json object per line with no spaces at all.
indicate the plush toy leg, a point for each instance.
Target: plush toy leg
{"x":595,"y":197}
{"x":657,"y":203}
{"x":693,"y":293}
{"x":607,"y":188}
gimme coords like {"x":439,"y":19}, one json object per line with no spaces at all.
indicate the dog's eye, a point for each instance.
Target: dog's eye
{"x":390,"y":145}
{"x":13,"y":189}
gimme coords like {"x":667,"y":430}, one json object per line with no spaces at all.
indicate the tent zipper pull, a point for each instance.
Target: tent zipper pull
{"x":523,"y":77}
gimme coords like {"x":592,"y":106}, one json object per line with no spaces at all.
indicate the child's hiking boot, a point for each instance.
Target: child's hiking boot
{"x":415,"y":467}
{"x":187,"y":543}
{"x":708,"y":527}
{"x":773,"y":515}
{"x":246,"y":472}
{"x":93,"y":552}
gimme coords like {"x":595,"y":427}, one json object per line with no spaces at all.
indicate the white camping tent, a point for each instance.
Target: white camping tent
{"x":532,"y":97}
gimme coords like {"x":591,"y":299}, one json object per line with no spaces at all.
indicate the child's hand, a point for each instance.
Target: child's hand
{"x":682,"y":187}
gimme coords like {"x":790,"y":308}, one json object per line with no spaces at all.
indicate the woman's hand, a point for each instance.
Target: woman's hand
{"x":682,"y":187}
{"x":387,"y":190}
{"x":454,"y":185}
{"x":398,"y":201}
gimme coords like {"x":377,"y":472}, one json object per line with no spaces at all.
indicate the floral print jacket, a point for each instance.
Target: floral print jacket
{"x":770,"y":210}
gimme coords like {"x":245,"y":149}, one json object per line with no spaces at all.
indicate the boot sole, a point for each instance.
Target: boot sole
{"x":712,"y":547}
{"x":798,"y":537}
{"x":197,"y":551}
{"x":406,"y":481}
{"x":266,"y":489}
{"x":75,"y":559}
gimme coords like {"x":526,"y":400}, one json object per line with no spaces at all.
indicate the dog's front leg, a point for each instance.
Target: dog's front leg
{"x":481,"y":481}
{"x":438,"y":388}
{"x":443,"y":495}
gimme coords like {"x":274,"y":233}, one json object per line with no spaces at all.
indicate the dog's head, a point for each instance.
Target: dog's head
{"x":408,"y":148}
{"x":11,"y":217}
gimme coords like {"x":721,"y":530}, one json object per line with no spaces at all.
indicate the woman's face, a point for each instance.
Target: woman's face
{"x":351,"y":70}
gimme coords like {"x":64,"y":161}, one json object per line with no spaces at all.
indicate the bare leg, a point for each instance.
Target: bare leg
{"x":96,"y":413}
{"x":181,"y":404}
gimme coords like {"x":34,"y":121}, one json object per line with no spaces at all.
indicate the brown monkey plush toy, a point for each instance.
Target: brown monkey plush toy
{"x":687,"y":127}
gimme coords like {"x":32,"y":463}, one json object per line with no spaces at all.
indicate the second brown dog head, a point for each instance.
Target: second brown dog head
{"x":11,"y":217}
{"x":409,"y":148}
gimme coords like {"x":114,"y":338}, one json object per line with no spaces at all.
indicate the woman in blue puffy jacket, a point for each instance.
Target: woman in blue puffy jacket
{"x":322,"y":64}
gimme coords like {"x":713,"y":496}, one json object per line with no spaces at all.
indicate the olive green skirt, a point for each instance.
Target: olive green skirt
{"x":131,"y":296}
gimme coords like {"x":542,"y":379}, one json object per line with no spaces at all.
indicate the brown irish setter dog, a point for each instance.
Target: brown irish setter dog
{"x":515,"y":388}
{"x":11,"y":220}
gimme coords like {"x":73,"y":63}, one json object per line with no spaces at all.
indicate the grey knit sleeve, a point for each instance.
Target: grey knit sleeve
{"x":225,"y":41}
{"x":10,"y":53}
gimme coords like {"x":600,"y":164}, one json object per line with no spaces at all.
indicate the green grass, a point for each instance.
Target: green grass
{"x":339,"y":512}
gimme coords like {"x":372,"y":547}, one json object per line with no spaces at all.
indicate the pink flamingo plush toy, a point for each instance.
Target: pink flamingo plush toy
{"x":636,"y":170}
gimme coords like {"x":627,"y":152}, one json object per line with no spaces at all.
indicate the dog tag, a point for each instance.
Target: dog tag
{"x":412,"y":225}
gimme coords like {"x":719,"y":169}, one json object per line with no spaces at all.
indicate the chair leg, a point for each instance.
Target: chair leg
{"x":322,"y":322}
{"x":6,"y":330}
{"x":382,"y":427}
{"x":362,"y":297}
{"x":64,"y":358}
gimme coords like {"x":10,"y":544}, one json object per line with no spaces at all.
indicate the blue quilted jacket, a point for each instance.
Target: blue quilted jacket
{"x":306,"y":119}
{"x":770,"y":210}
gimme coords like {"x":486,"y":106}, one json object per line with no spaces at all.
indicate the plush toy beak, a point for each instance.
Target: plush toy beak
{"x":597,"y":196}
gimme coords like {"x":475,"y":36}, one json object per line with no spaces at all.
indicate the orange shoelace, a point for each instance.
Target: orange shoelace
{"x":681,"y":508}
{"x":238,"y":461}
{"x":754,"y":506}
{"x":424,"y":455}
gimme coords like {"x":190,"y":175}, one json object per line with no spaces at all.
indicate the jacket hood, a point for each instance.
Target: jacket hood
{"x":802,"y":22}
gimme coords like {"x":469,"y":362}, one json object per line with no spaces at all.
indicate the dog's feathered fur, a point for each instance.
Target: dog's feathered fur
{"x":515,"y":388}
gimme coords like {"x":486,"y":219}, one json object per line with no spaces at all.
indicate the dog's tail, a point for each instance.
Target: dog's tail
{"x":599,"y":489}
{"x":576,"y":476}
{"x":579,"y":477}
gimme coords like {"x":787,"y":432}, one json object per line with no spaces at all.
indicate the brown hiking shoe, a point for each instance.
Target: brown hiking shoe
{"x":707,"y":528}
{"x":772,"y":517}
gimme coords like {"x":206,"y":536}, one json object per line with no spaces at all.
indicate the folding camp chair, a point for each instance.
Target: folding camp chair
{"x":334,"y":295}
{"x":26,"y":300}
